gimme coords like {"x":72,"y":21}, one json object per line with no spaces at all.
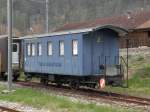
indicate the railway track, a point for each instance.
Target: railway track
{"x":93,"y":93}
{"x":4,"y":109}
{"x":119,"y":97}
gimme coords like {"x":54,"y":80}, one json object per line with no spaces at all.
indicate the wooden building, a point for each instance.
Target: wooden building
{"x":137,"y":38}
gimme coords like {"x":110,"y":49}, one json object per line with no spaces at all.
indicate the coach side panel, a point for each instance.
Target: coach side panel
{"x":3,"y":54}
{"x":68,"y":64}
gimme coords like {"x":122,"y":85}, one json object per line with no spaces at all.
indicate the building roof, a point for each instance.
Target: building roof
{"x":129,"y":21}
{"x":145,"y":25}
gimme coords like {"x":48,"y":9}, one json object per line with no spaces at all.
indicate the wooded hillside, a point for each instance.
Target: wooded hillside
{"x":29,"y":15}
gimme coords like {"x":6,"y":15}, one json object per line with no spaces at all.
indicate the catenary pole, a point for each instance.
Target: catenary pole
{"x":47,"y":16}
{"x":9,"y":23}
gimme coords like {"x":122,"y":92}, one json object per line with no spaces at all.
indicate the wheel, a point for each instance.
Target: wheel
{"x":59,"y":84}
{"x":44,"y":81}
{"x":16,"y":76}
{"x":74,"y":84}
{"x":92,"y":85}
{"x":4,"y":76}
{"x":28,"y":78}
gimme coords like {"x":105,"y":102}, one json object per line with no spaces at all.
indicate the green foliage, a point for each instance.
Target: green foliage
{"x":141,"y":77}
{"x":28,"y":12}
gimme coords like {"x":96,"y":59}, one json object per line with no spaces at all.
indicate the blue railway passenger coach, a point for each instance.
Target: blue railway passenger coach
{"x":75,"y":57}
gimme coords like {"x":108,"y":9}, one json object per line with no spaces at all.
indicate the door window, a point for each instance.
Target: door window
{"x":29,"y":49}
{"x":33,"y":50}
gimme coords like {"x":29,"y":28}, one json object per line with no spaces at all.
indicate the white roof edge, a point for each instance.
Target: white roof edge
{"x":58,"y":33}
{"x":3,"y":36}
{"x":6,"y":36}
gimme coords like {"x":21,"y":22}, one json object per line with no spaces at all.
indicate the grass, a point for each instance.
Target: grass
{"x":55,"y":103}
{"x":139,"y":82}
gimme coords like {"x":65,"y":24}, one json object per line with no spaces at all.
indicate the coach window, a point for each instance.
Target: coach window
{"x":50,"y":52}
{"x":29,"y":49}
{"x":33,"y":50}
{"x":61,"y":48}
{"x":75,"y":47}
{"x":39,"y":49}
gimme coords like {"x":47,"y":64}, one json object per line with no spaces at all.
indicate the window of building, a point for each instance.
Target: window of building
{"x":33,"y":49}
{"x":39,"y":49}
{"x":75,"y":47}
{"x":50,"y":52}
{"x":15,"y":47}
{"x":29,"y":49}
{"x":61,"y":48}
{"x":149,"y":34}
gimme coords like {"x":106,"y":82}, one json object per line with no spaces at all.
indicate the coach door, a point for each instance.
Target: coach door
{"x":98,"y":53}
{"x":15,"y":53}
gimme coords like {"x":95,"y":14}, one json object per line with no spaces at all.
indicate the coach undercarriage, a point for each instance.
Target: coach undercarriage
{"x":76,"y":81}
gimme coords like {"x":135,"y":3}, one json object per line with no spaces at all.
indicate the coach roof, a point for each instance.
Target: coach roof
{"x":84,"y":30}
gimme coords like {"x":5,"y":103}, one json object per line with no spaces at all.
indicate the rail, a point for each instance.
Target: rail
{"x":5,"y":109}
{"x":93,"y":93}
